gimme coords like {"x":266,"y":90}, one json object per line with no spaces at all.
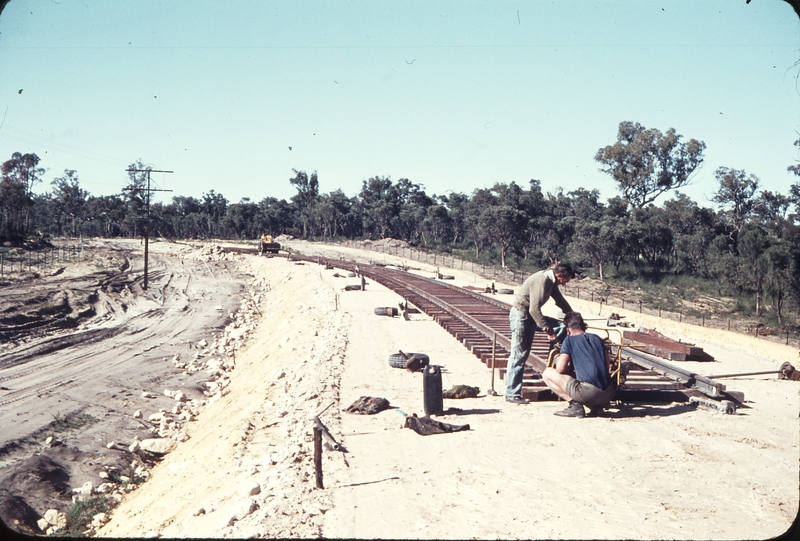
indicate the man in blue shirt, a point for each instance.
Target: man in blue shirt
{"x":584,"y":355}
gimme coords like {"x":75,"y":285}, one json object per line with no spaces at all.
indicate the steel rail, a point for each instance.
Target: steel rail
{"x":466,"y":319}
{"x":703,"y":384}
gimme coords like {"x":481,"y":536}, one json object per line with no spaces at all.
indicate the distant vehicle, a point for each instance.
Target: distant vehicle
{"x":266,"y":246}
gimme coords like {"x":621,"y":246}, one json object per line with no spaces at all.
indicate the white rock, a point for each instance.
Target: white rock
{"x":202,"y":343}
{"x":103,"y":475}
{"x":156,"y":417}
{"x":168,"y":393}
{"x":180,"y":397}
{"x":43,"y":524}
{"x":137,"y":414}
{"x":56,"y":518}
{"x":157,"y":446}
{"x":134,"y":446}
{"x":105,"y":488}
{"x":86,"y":489}
{"x":152,"y":535}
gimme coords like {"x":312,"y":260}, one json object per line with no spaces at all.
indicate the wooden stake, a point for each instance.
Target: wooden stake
{"x":318,"y":456}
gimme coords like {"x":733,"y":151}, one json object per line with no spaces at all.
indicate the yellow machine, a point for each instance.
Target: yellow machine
{"x":266,"y":246}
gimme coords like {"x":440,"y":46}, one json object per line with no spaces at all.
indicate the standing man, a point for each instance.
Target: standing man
{"x":526,"y":318}
{"x":592,"y":385}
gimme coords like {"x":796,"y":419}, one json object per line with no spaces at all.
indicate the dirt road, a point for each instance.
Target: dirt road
{"x":85,"y":340}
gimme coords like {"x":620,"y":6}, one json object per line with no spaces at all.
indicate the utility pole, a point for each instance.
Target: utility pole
{"x":147,"y":206}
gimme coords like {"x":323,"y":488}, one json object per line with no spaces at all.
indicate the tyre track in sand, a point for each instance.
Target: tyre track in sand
{"x":135,"y":331}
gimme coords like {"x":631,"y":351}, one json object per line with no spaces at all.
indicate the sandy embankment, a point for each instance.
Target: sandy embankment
{"x":247,"y":456}
{"x":641,"y":471}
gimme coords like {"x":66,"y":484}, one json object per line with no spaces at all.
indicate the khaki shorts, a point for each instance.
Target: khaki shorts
{"x":589,"y":395}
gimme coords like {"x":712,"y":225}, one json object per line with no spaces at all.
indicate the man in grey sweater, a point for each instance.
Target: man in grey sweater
{"x":526,"y":318}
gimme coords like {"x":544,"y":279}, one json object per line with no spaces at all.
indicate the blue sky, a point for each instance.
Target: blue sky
{"x":453,"y":95}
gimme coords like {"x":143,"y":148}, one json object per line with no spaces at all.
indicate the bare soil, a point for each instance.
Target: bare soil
{"x":245,"y":466}
{"x":80,"y":341}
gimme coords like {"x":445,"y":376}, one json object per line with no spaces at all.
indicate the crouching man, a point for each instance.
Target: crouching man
{"x":584,"y":355}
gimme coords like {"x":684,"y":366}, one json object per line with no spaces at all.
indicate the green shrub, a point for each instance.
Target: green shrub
{"x":80,"y":516}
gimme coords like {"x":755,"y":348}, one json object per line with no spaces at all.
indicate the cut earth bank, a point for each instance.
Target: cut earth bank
{"x":640,"y":471}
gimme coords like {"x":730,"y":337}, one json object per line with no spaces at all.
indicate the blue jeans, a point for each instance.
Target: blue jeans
{"x":523,"y":327}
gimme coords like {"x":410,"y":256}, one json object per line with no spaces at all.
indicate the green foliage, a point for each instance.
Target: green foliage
{"x":80,"y":516}
{"x":748,"y":250}
{"x":647,"y":163}
{"x":71,"y":422}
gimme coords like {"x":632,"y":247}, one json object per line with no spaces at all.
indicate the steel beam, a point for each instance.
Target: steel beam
{"x":707,"y":386}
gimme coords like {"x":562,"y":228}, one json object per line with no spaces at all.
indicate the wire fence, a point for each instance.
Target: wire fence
{"x":18,"y":263}
{"x":710,"y":319}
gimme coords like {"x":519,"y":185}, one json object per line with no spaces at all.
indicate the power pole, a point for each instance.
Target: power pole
{"x":147,"y":206}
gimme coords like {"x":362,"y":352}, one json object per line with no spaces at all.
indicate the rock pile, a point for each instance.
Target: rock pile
{"x":269,"y":488}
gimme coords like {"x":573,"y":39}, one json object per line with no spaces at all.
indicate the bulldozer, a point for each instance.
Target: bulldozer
{"x":267,"y":246}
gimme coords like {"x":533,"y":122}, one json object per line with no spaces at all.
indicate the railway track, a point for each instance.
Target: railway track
{"x":481,"y":324}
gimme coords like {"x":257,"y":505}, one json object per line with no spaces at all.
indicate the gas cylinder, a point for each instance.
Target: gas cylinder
{"x":432,"y":390}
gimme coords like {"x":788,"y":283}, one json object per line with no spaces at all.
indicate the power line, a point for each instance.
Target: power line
{"x":147,"y":206}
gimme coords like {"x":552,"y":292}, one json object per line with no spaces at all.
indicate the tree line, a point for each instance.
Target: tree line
{"x":749,"y":247}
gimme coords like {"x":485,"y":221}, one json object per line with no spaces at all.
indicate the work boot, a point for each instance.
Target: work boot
{"x":574,"y":410}
{"x":516,"y":400}
{"x":595,"y":411}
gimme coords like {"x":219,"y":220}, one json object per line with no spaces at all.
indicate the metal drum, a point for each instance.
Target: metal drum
{"x":432,"y":390}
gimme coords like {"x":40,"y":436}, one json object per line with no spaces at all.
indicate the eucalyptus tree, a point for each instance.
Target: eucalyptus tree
{"x":456,"y":204}
{"x":651,"y":236}
{"x":436,"y":225}
{"x":213,"y":207}
{"x":19,"y":175}
{"x":647,"y":163}
{"x":600,"y":242}
{"x":723,"y":266}
{"x":14,"y":205}
{"x":331,"y":212}
{"x":414,"y":203}
{"x":306,"y":197}
{"x":240,"y":220}
{"x":737,"y":195}
{"x":69,"y":202}
{"x":380,"y":207}
{"x":770,"y":211}
{"x":187,"y":217}
{"x":503,"y":221}
{"x":105,"y":215}
{"x":692,"y":232}
{"x":533,"y":205}
{"x":135,"y":196}
{"x":564,"y":212}
{"x":276,"y":216}
{"x":753,"y":244}
{"x":480,"y":200}
{"x":777,"y":281}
